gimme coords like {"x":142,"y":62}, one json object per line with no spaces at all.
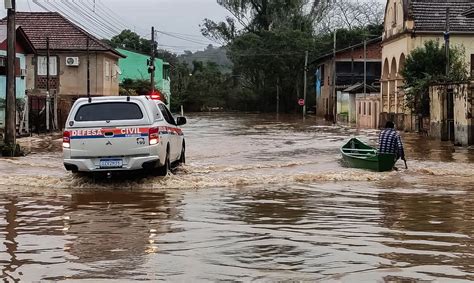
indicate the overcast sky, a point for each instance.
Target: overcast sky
{"x":181,"y":18}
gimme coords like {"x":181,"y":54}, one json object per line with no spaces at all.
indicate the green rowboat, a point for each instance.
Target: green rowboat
{"x":357,"y":154}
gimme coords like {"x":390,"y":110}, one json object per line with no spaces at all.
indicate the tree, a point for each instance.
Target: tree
{"x":133,"y":87}
{"x":350,"y":14}
{"x":267,"y":39}
{"x":130,"y":40}
{"x":425,"y":66}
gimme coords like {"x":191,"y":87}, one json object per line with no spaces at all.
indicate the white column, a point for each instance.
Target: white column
{"x":388,"y":96}
{"x":396,"y":96}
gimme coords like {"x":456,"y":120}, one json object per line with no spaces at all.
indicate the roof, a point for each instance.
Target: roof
{"x":359,"y":45}
{"x":469,"y":13}
{"x":62,"y":33}
{"x":430,"y":15}
{"x":356,"y":88}
{"x":20,"y":37}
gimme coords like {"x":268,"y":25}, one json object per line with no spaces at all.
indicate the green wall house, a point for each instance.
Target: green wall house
{"x":135,"y":67}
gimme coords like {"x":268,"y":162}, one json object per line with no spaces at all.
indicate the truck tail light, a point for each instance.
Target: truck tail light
{"x":153,"y":136}
{"x":66,"y":139}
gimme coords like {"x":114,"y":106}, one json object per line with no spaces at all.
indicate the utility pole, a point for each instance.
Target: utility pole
{"x":48,"y":97}
{"x":334,"y":91}
{"x":365,"y":67}
{"x":446,"y":40}
{"x":10,"y":115}
{"x":88,"y":70}
{"x":152,"y":60}
{"x":305,"y":82}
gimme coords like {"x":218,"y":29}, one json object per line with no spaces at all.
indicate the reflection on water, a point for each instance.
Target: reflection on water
{"x":260,"y":199}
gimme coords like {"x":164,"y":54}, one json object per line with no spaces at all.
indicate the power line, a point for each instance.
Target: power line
{"x":181,"y":38}
{"x":97,"y":31}
{"x":117,"y":18}
{"x":88,"y":17}
{"x":29,"y":6}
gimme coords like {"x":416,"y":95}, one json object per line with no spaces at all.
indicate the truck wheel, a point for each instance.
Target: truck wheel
{"x":163,"y":170}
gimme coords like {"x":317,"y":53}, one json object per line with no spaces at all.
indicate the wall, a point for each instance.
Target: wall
{"x":463,"y":116}
{"x":20,"y":86}
{"x":368,"y":111}
{"x":324,"y":102}
{"x":73,"y":80}
{"x":135,"y":67}
{"x":463,"y":95}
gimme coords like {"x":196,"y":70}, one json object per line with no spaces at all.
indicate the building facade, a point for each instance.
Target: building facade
{"x":73,"y":53}
{"x":408,"y":25}
{"x":349,"y":64}
{"x":23,"y":48}
{"x":135,"y":66}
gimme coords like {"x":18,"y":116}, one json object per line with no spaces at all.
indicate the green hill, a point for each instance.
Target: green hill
{"x":217,"y":55}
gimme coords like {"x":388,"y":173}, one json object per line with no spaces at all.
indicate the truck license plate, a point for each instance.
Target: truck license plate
{"x":111,"y":163}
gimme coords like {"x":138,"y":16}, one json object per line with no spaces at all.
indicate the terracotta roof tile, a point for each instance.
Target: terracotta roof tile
{"x":430,"y":15}
{"x":62,"y":33}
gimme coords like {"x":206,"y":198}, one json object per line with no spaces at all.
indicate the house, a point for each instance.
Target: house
{"x":365,"y":105}
{"x":408,"y":25}
{"x":135,"y":66}
{"x":349,"y":73}
{"x":23,"y":48}
{"x":70,"y":48}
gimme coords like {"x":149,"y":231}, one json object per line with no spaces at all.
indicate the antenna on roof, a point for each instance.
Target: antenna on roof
{"x":88,"y":71}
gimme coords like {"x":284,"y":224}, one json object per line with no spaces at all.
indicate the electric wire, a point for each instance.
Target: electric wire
{"x":99,"y":32}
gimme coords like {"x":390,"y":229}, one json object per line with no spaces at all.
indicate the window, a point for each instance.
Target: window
{"x":107,"y":70}
{"x":472,"y":65}
{"x":42,"y":67}
{"x":3,"y":66}
{"x":394,"y":21}
{"x":166,"y":114}
{"x":109,"y":111}
{"x":320,"y":74}
{"x":365,"y":112}
{"x":370,"y":108}
{"x":360,"y":108}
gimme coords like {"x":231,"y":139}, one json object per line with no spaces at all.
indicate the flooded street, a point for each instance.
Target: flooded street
{"x":259,"y":199}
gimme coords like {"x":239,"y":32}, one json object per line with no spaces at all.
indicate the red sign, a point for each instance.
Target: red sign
{"x":301,"y":101}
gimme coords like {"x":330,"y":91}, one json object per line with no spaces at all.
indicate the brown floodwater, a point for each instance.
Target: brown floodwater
{"x":260,"y":199}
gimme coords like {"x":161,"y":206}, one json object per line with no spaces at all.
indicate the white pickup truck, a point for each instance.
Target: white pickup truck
{"x":114,"y":133}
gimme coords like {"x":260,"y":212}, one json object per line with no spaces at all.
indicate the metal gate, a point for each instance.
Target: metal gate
{"x":37,"y":114}
{"x":450,"y":113}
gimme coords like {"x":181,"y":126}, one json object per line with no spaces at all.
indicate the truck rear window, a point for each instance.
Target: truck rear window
{"x":109,"y":111}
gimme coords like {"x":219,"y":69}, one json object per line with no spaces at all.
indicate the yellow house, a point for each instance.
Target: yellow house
{"x":407,"y":25}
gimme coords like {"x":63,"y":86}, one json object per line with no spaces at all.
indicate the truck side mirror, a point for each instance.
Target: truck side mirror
{"x":181,"y":121}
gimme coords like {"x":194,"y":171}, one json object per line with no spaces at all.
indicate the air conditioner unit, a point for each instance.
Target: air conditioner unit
{"x":72,"y":61}
{"x":23,"y":72}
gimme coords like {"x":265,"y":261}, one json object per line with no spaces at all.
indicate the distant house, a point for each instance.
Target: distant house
{"x":23,"y":48}
{"x":349,"y":74}
{"x":69,"y":45}
{"x":134,"y":66}
{"x":408,"y":25}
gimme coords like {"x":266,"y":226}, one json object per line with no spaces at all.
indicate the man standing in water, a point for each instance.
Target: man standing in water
{"x":390,"y":141}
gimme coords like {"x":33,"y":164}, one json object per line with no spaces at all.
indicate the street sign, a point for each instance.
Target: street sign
{"x":301,"y":102}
